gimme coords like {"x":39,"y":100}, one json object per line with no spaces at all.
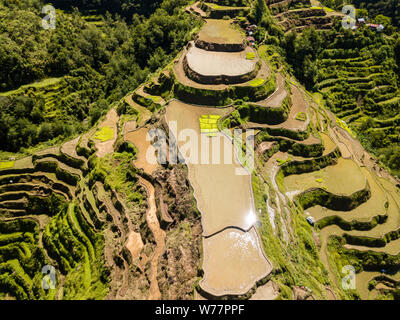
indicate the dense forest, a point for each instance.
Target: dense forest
{"x":125,"y":8}
{"x":96,"y":64}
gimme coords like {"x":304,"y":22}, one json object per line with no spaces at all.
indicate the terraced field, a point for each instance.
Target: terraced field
{"x":115,"y":225}
{"x":300,"y":14}
{"x":362,"y":92}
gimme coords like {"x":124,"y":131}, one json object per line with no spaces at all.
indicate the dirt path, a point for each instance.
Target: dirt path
{"x":159,"y":236}
{"x":69,"y":148}
{"x":135,"y":244}
{"x":275,"y":100}
{"x":144,"y":114}
{"x":194,"y":8}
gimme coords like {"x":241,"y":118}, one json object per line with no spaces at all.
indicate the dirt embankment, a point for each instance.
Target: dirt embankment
{"x":178,"y":269}
{"x":159,"y":236}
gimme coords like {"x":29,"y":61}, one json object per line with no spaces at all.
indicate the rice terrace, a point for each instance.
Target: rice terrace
{"x":200,"y":150}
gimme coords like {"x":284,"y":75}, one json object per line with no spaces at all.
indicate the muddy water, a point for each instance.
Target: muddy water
{"x":374,"y":206}
{"x":344,"y":178}
{"x":233,"y":262}
{"x":146,"y":158}
{"x":266,"y":292}
{"x":223,"y":197}
{"x":233,"y":259}
{"x":220,"y":31}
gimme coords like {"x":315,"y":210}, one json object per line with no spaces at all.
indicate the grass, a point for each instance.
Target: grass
{"x":155,"y":99}
{"x":218,"y":7}
{"x":344,"y":126}
{"x":256,"y":82}
{"x":295,"y":264}
{"x":39,"y":84}
{"x":104,"y":134}
{"x":325,"y":8}
{"x":7,"y":164}
{"x":282,"y":162}
{"x":250,"y":55}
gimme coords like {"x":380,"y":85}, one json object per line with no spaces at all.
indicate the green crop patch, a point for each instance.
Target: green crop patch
{"x":104,"y":134}
{"x":208,"y":124}
{"x":256,"y":82}
{"x":6,"y":164}
{"x":250,"y":55}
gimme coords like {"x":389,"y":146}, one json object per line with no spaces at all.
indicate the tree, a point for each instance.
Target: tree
{"x":259,"y":10}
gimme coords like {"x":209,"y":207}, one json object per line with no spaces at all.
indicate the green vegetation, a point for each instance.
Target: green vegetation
{"x":282,"y":162}
{"x":256,"y":82}
{"x":301,"y":116}
{"x":87,"y":66}
{"x":297,"y":264}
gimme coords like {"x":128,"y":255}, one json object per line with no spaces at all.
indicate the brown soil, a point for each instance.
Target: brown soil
{"x":146,"y":158}
{"x":134,"y":244}
{"x":269,"y":291}
{"x":129,"y":126}
{"x":159,"y":235}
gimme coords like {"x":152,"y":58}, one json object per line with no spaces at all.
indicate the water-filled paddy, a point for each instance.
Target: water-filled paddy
{"x":224,"y":198}
{"x":220,"y":31}
{"x":344,"y":178}
{"x":233,"y":262}
{"x":146,"y":158}
{"x":365,"y":212}
{"x":211,"y":63}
